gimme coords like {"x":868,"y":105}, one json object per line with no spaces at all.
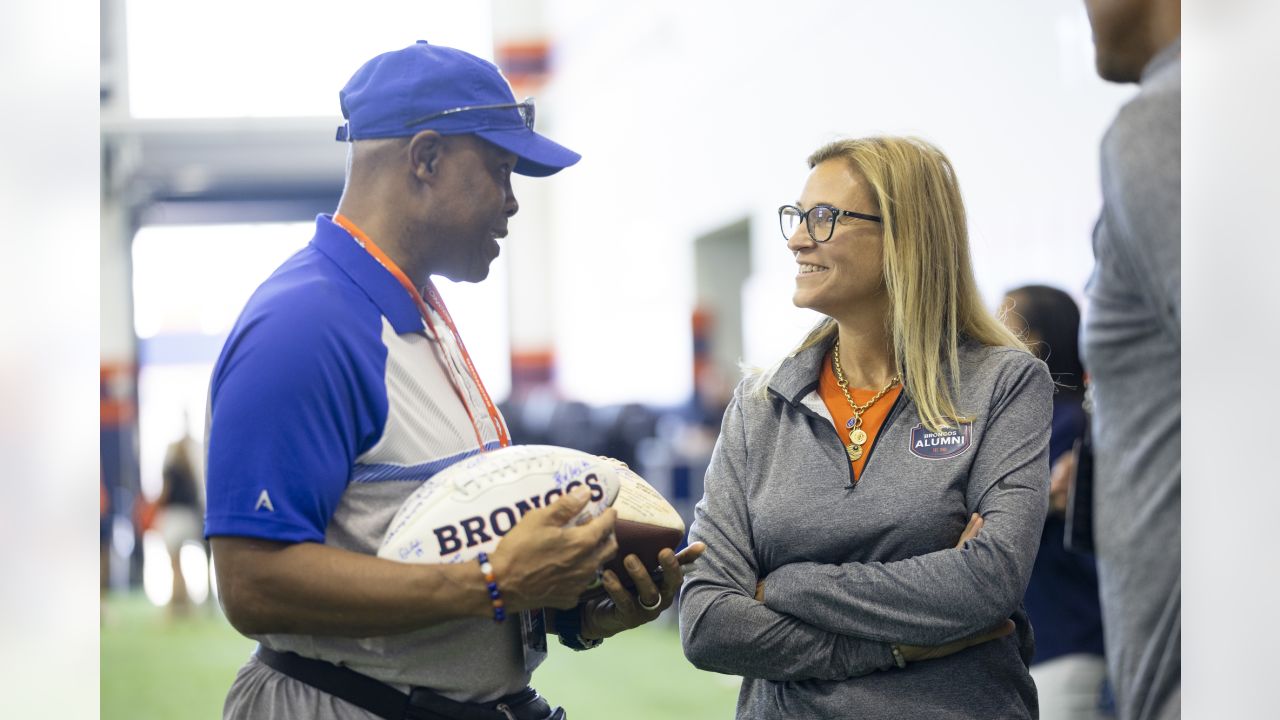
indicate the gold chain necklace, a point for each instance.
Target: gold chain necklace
{"x":857,"y":436}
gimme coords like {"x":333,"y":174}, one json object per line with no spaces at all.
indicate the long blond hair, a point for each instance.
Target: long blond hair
{"x":928,"y":274}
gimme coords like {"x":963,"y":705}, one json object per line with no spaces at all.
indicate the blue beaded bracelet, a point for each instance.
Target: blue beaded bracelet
{"x":491,"y":582}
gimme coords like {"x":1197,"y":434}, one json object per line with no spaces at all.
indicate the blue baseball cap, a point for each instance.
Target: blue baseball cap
{"x":432,"y":87}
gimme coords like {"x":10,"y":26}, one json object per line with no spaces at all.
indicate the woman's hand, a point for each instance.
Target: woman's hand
{"x":970,"y":530}
{"x":620,"y":609}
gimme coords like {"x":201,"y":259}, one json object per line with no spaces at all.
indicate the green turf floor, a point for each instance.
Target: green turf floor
{"x":156,"y":669}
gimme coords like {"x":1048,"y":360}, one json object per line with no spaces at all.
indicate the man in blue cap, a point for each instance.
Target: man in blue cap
{"x":345,"y":384}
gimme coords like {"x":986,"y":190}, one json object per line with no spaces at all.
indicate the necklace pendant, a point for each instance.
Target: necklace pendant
{"x":858,"y":436}
{"x":855,"y":452}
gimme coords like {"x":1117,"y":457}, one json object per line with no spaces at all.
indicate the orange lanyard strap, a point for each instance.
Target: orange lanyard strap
{"x":437,"y":304}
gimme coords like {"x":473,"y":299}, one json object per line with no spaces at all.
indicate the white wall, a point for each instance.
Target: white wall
{"x":693,"y":115}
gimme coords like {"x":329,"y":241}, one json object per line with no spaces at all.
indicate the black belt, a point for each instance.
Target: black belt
{"x":389,"y":703}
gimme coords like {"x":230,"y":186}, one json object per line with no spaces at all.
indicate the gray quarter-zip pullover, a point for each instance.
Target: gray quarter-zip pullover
{"x":850,"y":568}
{"x":1132,"y":345}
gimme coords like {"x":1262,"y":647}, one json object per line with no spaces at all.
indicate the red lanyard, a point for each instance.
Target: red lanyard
{"x":437,"y":303}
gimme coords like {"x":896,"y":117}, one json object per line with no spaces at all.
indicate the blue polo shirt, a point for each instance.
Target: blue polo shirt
{"x":329,"y":379}
{"x":331,"y":403}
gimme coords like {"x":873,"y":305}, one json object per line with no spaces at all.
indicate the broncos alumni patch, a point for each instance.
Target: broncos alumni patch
{"x":947,"y":443}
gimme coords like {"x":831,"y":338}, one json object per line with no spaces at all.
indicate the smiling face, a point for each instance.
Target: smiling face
{"x":847,"y":271}
{"x":473,"y":201}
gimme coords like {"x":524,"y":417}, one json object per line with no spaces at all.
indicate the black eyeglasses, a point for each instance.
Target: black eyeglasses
{"x":525,"y":108}
{"x":819,"y":219}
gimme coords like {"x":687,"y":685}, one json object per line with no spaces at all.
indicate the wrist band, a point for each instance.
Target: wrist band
{"x":491,"y":582}
{"x":897,"y":657}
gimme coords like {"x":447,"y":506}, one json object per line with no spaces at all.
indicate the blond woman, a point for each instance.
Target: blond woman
{"x":874,"y":502}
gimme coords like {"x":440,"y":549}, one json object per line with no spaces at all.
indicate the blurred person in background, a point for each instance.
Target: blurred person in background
{"x":344,"y":385}
{"x":180,"y":511}
{"x":104,"y":544}
{"x":874,"y":502}
{"x":1062,"y":597}
{"x":1132,"y":345}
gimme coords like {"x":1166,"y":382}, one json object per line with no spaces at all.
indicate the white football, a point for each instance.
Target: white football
{"x":466,"y":508}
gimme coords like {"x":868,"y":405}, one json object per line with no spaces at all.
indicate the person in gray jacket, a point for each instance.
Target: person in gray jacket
{"x":1132,"y":345}
{"x":908,"y":418}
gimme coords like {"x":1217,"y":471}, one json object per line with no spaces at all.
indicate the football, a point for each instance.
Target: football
{"x":647,"y":523}
{"x":466,"y":508}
